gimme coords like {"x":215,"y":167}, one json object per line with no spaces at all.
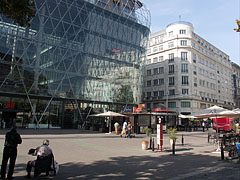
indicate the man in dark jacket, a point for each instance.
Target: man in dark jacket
{"x":12,"y":139}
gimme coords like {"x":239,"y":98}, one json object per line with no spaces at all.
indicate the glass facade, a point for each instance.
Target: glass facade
{"x":77,"y":56}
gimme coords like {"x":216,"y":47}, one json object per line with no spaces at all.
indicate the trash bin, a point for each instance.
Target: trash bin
{"x":238,"y":149}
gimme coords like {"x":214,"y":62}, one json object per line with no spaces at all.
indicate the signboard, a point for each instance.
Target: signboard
{"x":158,"y":134}
{"x":137,"y":110}
{"x":10,"y":105}
{"x":127,"y":109}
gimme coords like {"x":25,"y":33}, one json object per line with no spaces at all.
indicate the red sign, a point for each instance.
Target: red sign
{"x":160,"y":110}
{"x":116,"y":51}
{"x":137,"y":109}
{"x":10,"y":105}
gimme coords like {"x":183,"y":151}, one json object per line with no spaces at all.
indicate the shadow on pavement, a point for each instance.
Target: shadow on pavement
{"x":138,"y":167}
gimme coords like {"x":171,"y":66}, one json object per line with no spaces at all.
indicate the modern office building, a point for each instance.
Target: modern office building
{"x":185,"y":72}
{"x":77,"y":56}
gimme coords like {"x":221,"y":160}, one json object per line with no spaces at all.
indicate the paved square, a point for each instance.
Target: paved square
{"x":91,"y":155}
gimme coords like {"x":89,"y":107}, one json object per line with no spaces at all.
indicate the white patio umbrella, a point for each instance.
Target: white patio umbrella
{"x":213,"y":111}
{"x":186,"y":116}
{"x":237,"y":111}
{"x":109,"y":114}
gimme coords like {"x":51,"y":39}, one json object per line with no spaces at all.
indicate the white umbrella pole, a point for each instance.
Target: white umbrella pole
{"x":218,"y":146}
{"x":110,"y":124}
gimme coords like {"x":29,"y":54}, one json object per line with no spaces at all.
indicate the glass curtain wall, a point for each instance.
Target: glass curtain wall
{"x":75,"y":54}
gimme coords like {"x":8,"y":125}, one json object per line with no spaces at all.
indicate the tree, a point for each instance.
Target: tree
{"x":238,"y":28}
{"x":125,"y":94}
{"x":20,"y":11}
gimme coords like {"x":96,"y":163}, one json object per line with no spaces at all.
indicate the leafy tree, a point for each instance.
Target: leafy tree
{"x":20,"y":11}
{"x":238,"y":24}
{"x":125,"y":94}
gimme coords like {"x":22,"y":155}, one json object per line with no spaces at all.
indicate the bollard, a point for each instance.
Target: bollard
{"x":152,"y":144}
{"x":182,"y":140}
{"x":173,"y":148}
{"x":208,"y":137}
{"x":222,"y":151}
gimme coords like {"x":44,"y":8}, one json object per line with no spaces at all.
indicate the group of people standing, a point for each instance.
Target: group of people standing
{"x":12,"y":140}
{"x":126,"y":129}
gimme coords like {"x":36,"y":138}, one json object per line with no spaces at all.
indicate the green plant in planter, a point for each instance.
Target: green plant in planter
{"x":174,"y":137}
{"x":148,"y":131}
{"x":172,"y":132}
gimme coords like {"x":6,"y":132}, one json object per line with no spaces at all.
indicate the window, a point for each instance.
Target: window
{"x":194,"y":68}
{"x":184,"y":80}
{"x":171,"y":69}
{"x":155,"y":93}
{"x":184,"y":91}
{"x":185,"y":104}
{"x":149,"y":51}
{"x":183,"y":42}
{"x":155,"y":82}
{"x":161,"y":81}
{"x":171,"y":57}
{"x":182,"y":31}
{"x":148,"y":105}
{"x":155,"y":49}
{"x":155,"y":71}
{"x":172,"y":104}
{"x":149,"y":72}
{"x":161,"y":93}
{"x":149,"y":61}
{"x":156,"y":40}
{"x":184,"y":68}
{"x":161,"y":70}
{"x":155,"y":60}
{"x":171,"y":81}
{"x":149,"y":83}
{"x":184,"y":56}
{"x":160,"y":47}
{"x":160,"y":58}
{"x":170,"y":44}
{"x":194,"y":57}
{"x":149,"y":94}
{"x":170,"y":33}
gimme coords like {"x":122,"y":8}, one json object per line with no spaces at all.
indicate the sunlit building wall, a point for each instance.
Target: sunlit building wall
{"x":185,"y":72}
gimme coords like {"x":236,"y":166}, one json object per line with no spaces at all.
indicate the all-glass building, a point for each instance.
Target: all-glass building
{"x":76,"y":57}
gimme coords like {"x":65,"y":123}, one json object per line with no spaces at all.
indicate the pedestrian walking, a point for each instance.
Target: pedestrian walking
{"x":203,"y":126}
{"x":129,"y":129}
{"x":12,"y":139}
{"x":124,"y":129}
{"x":116,"y":125}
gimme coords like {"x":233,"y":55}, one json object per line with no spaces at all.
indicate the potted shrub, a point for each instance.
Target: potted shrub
{"x":172,"y":135}
{"x":145,"y":143}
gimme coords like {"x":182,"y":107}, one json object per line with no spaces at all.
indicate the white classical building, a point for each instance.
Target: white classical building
{"x":185,"y":72}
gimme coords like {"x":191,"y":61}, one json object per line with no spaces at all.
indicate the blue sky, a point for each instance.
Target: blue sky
{"x":213,"y":20}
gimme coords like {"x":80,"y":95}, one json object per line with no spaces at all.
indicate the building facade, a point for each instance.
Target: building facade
{"x":77,"y":56}
{"x":185,"y":72}
{"x":236,"y":84}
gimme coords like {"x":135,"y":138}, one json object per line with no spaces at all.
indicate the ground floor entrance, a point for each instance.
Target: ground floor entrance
{"x":47,"y":112}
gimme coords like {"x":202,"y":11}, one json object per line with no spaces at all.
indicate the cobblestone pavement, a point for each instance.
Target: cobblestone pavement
{"x":92,"y":155}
